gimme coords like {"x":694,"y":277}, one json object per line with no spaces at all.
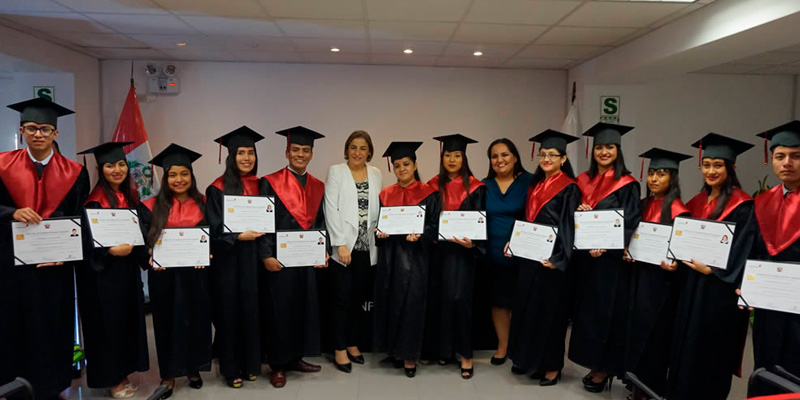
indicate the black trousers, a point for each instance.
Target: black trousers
{"x":351,"y":287}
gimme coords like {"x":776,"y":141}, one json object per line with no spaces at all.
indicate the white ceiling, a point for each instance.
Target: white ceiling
{"x":551,"y":34}
{"x":785,"y":61}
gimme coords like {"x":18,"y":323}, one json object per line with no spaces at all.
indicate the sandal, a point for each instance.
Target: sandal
{"x":252,"y":377}
{"x":467,"y":373}
{"x":234,"y":382}
{"x":125,"y":393}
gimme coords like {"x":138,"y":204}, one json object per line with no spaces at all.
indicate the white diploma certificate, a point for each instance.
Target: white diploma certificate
{"x":600,"y":229}
{"x":402,"y":220}
{"x":249,"y":213}
{"x":301,"y":248}
{"x":115,"y":226}
{"x":771,"y":286}
{"x":462,"y":224}
{"x":650,"y":243}
{"x":702,"y":240}
{"x":52,"y":240}
{"x":182,"y":247}
{"x":532,"y":241}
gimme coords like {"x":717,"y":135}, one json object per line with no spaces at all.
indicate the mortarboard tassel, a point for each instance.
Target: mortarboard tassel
{"x":219,"y":157}
{"x":641,"y":170}
{"x":84,"y":161}
{"x":700,"y":155}
{"x":440,"y":149}
{"x":587,"y":147}
{"x":766,"y":152}
{"x":533,"y":150}
{"x":388,"y":165}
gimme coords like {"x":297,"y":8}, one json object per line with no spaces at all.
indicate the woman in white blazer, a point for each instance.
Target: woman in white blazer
{"x":351,"y":214}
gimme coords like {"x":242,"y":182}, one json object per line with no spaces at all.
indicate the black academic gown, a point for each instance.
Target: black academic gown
{"x":401,"y":284}
{"x":234,"y":295}
{"x":602,"y":294}
{"x":448,"y":326}
{"x":181,"y":313}
{"x":709,"y":328}
{"x":37,"y":305}
{"x":541,"y":306}
{"x":111,"y":305}
{"x":289,"y":303}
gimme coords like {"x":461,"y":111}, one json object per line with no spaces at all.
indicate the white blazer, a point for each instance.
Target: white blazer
{"x":341,"y":208}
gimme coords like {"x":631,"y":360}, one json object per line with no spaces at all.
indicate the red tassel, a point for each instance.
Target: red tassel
{"x":152,"y":172}
{"x":641,"y":170}
{"x":700,"y":155}
{"x":219,"y":157}
{"x":587,"y":147}
{"x":388,"y":165}
{"x":533,"y":150}
{"x":766,"y":152}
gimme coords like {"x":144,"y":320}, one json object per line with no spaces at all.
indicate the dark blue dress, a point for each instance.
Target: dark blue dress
{"x":501,"y":211}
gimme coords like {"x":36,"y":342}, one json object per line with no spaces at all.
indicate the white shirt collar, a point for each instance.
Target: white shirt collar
{"x":785,"y":191}
{"x":45,"y":161}
{"x":290,"y":169}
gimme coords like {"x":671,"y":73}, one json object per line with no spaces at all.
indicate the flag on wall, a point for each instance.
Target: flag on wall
{"x":130,"y":128}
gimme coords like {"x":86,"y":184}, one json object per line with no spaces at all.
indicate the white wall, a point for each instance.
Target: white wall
{"x":391,"y":103}
{"x":86,"y":72}
{"x":675,"y":113}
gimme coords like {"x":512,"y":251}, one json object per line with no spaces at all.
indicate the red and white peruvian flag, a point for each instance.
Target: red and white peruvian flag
{"x":130,"y":128}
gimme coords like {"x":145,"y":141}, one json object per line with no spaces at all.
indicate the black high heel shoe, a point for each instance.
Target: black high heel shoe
{"x":467,"y":373}
{"x":195,"y":383}
{"x":586,"y":379}
{"x":499,"y":360}
{"x":550,"y":382}
{"x":168,"y":393}
{"x":410,"y":372}
{"x":359,"y":359}
{"x":599,"y":387}
{"x":347,"y":368}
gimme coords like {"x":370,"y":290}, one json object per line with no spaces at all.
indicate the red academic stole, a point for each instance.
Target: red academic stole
{"x":455,"y":192}
{"x":180,"y":214}
{"x":27,"y":190}
{"x":652,"y":209}
{"x":411,"y":195}
{"x":302,"y":202}
{"x":601,"y":186}
{"x":701,"y":208}
{"x":544,"y":192}
{"x":778,"y":218}
{"x":249,"y":183}
{"x":98,"y":195}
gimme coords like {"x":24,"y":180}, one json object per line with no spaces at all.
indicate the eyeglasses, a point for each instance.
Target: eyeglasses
{"x":550,"y":157}
{"x":31,"y":130}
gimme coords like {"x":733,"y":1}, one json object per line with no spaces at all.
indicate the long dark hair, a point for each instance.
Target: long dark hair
{"x":126,"y":187}
{"x":725,"y":192}
{"x":413,"y":158}
{"x":620,"y":169}
{"x":164,"y":203}
{"x":673,"y":193}
{"x":518,"y":168}
{"x":444,"y":178}
{"x":539,"y":174}
{"x":231,"y":179}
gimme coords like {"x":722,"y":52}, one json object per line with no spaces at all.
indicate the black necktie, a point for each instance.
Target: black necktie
{"x":39,"y":169}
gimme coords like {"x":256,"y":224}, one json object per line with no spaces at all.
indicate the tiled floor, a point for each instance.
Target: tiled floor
{"x":373,"y":381}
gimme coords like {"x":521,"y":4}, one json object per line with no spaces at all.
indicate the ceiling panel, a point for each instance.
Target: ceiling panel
{"x":252,"y":42}
{"x":314,"y":9}
{"x":411,"y":30}
{"x":343,"y":29}
{"x":584,"y":36}
{"x":322,"y":45}
{"x":157,"y":41}
{"x":132,"y":23}
{"x":260,"y":56}
{"x":226,"y":8}
{"x":488,"y":50}
{"x":419,"y":47}
{"x":129,"y":54}
{"x":606,"y":14}
{"x":102,"y":40}
{"x":417,"y":10}
{"x":520,"y":11}
{"x":56,"y":22}
{"x":497,"y":33}
{"x":486,"y":62}
{"x":233,"y":26}
{"x":544,"y":63}
{"x":560,"y":51}
{"x":114,"y":6}
{"x":335,"y":58}
{"x":31,"y":6}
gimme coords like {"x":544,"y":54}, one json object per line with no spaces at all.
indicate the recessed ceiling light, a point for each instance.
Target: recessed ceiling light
{"x":335,"y":49}
{"x":477,"y":53}
{"x":408,"y":51}
{"x":180,"y":44}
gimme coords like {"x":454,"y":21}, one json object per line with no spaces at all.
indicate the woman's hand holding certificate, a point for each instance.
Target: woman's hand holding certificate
{"x":532,"y":241}
{"x":182,"y":247}
{"x":113,"y":227}
{"x":702,"y":242}
{"x":600,"y":229}
{"x":249,"y":213}
{"x":462,"y":224}
{"x":402,"y":220}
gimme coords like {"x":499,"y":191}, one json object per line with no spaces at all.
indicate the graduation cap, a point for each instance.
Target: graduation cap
{"x":604,"y":133}
{"x":715,"y":145}
{"x":662,"y":159}
{"x":787,"y":135}
{"x":454,"y":142}
{"x":110,"y":152}
{"x":239,"y":137}
{"x":175,"y":155}
{"x":300,"y":135}
{"x":398,"y":150}
{"x":551,"y":139}
{"x":40,"y":111}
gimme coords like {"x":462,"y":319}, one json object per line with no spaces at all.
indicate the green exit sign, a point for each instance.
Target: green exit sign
{"x":609,"y":109}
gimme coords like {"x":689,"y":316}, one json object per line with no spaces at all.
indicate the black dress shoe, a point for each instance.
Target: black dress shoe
{"x":166,"y":394}
{"x":599,"y":387}
{"x":196,"y":383}
{"x":411,"y":372}
{"x":518,"y":370}
{"x":550,"y":382}
{"x":586,"y":379}
{"x":359,"y":359}
{"x":347,"y":368}
{"x":467,"y":373}
{"x":499,"y":360}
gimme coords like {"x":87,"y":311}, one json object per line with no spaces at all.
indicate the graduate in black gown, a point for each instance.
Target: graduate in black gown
{"x":110,"y":295}
{"x":37,"y":303}
{"x":401,"y":281}
{"x":452,"y":272}
{"x":235,"y":266}
{"x":602,"y":277}
{"x":655,"y":288}
{"x":710,"y":330}
{"x":178,"y":296}
{"x":776,"y":335}
{"x":289,"y":300}
{"x":541,"y":306}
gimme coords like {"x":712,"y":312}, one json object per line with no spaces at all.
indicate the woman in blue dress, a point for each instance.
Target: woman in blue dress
{"x":506,"y":190}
